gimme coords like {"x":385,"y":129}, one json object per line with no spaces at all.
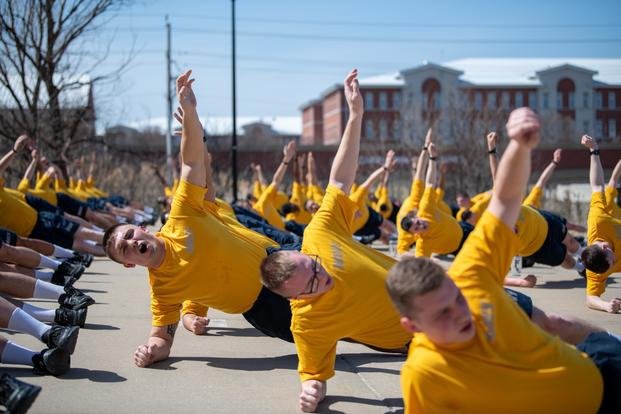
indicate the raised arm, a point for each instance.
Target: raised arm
{"x":432,"y":169}
{"x":492,"y":154}
{"x":389,"y":165}
{"x":343,"y":171}
{"x":288,"y":152}
{"x":549,"y":170}
{"x":514,"y":168}
{"x":614,"y":178}
{"x":421,"y":164}
{"x":19,"y":144}
{"x":311,"y":170}
{"x":32,"y":166}
{"x":192,"y":151}
{"x":596,"y":172}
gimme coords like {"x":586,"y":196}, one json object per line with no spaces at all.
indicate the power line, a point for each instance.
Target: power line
{"x":484,"y":25}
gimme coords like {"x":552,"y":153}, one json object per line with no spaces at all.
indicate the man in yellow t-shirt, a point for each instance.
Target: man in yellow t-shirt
{"x":600,"y":257}
{"x":474,"y":350}
{"x":198,"y":255}
{"x":335,"y":283}
{"x":437,"y":231}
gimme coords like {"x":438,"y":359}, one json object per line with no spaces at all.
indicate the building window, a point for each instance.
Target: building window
{"x":585,"y":100}
{"x":519,"y":99}
{"x":368,"y":100}
{"x":612,"y":128}
{"x":599,"y":128}
{"x":431,"y":94}
{"x":491,"y":100}
{"x":383,"y":129}
{"x":599,"y":100}
{"x":478,"y":100}
{"x":612,"y":100}
{"x":546,"y":100}
{"x":532,"y":99}
{"x":506,"y":102}
{"x":565,"y":94}
{"x":369,"y":129}
{"x":396,"y":100}
{"x":383,"y":100}
{"x":396,"y":127}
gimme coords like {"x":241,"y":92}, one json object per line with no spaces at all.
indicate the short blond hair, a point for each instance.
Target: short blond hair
{"x":277,"y":268}
{"x":412,"y":277}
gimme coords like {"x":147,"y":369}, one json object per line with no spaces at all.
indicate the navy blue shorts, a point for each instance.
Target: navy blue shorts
{"x":371,"y":227}
{"x":96,"y":203}
{"x":553,"y":251}
{"x":40,"y":204}
{"x":271,"y":314}
{"x":604,"y":350}
{"x":8,"y":237}
{"x":522,"y":300}
{"x":55,"y":229}
{"x":466,"y":229}
{"x":71,"y":205}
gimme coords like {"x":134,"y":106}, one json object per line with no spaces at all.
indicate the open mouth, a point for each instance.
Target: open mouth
{"x":142,"y":248}
{"x":467,"y":327}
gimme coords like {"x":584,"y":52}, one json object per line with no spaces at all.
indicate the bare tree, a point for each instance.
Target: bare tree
{"x":45,"y":82}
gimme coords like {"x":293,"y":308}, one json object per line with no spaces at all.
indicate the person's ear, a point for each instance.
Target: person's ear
{"x":129,"y":265}
{"x":408,"y":324}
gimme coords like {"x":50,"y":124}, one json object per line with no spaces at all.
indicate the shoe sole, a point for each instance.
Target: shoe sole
{"x":24,"y":401}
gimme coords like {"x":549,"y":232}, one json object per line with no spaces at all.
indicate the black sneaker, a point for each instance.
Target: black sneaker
{"x":16,"y":396}
{"x":70,"y":317}
{"x":74,"y":299}
{"x":84,"y":259}
{"x":65,"y":270}
{"x":62,"y":280}
{"x":51,"y":362}
{"x":63,"y":337}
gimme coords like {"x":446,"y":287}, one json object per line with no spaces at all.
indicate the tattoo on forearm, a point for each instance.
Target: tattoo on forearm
{"x":170,"y":329}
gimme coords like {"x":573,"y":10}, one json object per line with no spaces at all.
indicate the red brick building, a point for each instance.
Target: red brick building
{"x":581,"y":94}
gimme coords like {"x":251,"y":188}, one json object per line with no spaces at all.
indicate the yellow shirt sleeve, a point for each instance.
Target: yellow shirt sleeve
{"x":611,"y":201}
{"x":265,"y":207}
{"x":534,"y":197}
{"x":193,"y":308}
{"x":24,"y":185}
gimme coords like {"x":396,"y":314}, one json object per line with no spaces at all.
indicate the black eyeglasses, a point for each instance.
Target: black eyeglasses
{"x":313,"y":283}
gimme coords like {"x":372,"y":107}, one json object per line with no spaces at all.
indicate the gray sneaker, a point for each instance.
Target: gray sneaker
{"x":63,"y":337}
{"x":51,"y":362}
{"x":16,"y":396}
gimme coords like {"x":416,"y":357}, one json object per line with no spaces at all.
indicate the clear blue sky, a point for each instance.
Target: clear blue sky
{"x":289,"y":51}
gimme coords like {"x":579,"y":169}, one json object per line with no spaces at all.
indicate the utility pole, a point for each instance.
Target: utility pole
{"x":169,"y":163}
{"x":234,"y":100}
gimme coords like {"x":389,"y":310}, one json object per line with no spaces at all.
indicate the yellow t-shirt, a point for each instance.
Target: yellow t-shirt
{"x":360,"y":197}
{"x":444,"y":232}
{"x":601,"y":226}
{"x":383,"y":198}
{"x":480,"y":205}
{"x":48,"y":194}
{"x":611,"y":202}
{"x":532,"y":230}
{"x":207,"y":261}
{"x":358,"y":272}
{"x":15,"y":214}
{"x":257,"y":189}
{"x":441,"y":203}
{"x":298,"y":197}
{"x":279,"y":199}
{"x":511,"y":365}
{"x":266,"y":207}
{"x":405,"y":239}
{"x":534,"y":197}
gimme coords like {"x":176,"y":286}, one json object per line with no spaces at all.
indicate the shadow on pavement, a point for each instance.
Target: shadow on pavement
{"x":87,"y":290}
{"x":73,"y":374}
{"x":389,"y":403}
{"x":241,"y":364}
{"x":100,"y":327}
{"x":241,"y":332}
{"x":562,"y":284}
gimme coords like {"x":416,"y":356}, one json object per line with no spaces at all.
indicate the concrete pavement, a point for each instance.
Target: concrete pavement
{"x":233,"y":368}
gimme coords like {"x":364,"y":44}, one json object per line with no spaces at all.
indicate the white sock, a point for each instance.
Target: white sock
{"x":20,"y":321}
{"x":45,"y":290}
{"x":579,"y":266}
{"x":62,"y":252}
{"x":99,"y":229}
{"x":16,"y":354}
{"x":91,"y":242}
{"x":44,"y":275}
{"x":40,"y":314}
{"x":48,"y":262}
